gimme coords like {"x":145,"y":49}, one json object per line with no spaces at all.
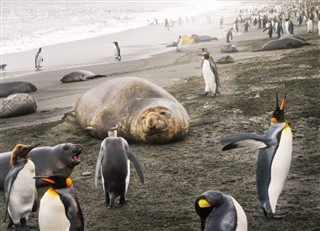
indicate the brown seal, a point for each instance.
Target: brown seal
{"x":142,"y":111}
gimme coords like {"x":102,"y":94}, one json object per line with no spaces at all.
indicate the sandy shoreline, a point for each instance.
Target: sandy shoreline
{"x":54,"y":98}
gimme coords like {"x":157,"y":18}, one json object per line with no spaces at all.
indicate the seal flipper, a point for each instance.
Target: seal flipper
{"x":245,"y":140}
{"x":92,"y":130}
{"x":136,"y":164}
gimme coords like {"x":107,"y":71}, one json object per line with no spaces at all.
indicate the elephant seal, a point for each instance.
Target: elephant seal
{"x":14,"y":87}
{"x":229,"y":48}
{"x":59,"y":159}
{"x":286,"y":42}
{"x":76,"y":76}
{"x":226,"y":59}
{"x":17,"y":105}
{"x":142,"y":111}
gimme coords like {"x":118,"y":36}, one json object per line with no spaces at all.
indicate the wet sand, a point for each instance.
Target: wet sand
{"x":176,"y":173}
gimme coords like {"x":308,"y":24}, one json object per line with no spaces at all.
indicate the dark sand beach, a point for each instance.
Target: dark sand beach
{"x":176,"y":173}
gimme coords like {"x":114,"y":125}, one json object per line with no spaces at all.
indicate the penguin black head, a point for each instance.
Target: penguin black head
{"x":58,"y":181}
{"x":20,"y":151}
{"x":205,"y":53}
{"x":206,"y":203}
{"x":278,"y":114}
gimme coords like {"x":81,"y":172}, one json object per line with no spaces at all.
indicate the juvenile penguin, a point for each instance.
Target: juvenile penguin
{"x":59,"y":206}
{"x":273,"y":161}
{"x":220,"y":212}
{"x":116,"y":48}
{"x":114,"y":167}
{"x":179,"y":44}
{"x":210,"y":73}
{"x":38,"y":59}
{"x":20,"y":187}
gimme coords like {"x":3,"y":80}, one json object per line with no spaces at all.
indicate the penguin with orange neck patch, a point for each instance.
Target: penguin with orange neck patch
{"x":20,"y":187}
{"x":273,"y":161}
{"x":218,"y":211}
{"x":59,"y":206}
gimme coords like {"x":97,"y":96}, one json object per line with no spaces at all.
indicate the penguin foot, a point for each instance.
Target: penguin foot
{"x":279,"y":215}
{"x":205,"y":94}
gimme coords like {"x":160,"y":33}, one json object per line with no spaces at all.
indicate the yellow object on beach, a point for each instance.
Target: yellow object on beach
{"x":187,"y":40}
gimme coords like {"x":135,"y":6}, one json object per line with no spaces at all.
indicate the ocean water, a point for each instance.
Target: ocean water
{"x":28,"y":25}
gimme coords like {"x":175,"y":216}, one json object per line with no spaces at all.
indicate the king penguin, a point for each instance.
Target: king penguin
{"x":59,"y":206}
{"x":113,"y":164}
{"x":38,"y":59}
{"x":20,"y":187}
{"x":179,"y":44}
{"x":274,"y":158}
{"x":220,"y":212}
{"x":309,"y":25}
{"x":210,"y":73}
{"x":116,"y":48}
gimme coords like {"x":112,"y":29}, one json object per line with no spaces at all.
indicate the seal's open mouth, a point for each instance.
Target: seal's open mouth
{"x":75,"y":158}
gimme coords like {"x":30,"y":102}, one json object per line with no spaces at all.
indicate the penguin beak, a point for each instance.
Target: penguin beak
{"x":203,"y":203}
{"x":45,"y":179}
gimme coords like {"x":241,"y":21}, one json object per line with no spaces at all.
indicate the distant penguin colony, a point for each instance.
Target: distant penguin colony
{"x":20,"y":187}
{"x":117,"y":54}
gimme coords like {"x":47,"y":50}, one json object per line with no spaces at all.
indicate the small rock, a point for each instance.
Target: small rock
{"x":86,"y":174}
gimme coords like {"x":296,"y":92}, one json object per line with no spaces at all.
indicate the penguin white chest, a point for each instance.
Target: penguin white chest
{"x":22,"y":192}
{"x":280,"y":166}
{"x":208,"y":77}
{"x":242,"y":222}
{"x":52,"y":215}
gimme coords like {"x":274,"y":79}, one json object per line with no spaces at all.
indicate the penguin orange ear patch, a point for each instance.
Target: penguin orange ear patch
{"x":68,"y":182}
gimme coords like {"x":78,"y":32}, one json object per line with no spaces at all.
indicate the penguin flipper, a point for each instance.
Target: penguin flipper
{"x":10,"y":178}
{"x":98,"y":167}
{"x":136,"y":164}
{"x":73,"y":211}
{"x":245,"y":140}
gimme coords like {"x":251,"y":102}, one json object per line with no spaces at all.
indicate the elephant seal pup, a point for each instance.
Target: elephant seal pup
{"x":76,"y":76}
{"x":59,"y":159}
{"x":286,"y":42}
{"x":229,"y":48}
{"x":17,"y":105}
{"x":226,"y":59}
{"x":14,"y":87}
{"x":142,"y":111}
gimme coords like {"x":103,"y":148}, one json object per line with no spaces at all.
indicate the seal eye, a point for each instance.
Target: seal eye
{"x":163,"y":113}
{"x":143,"y":117}
{"x":65,"y":147}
